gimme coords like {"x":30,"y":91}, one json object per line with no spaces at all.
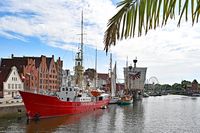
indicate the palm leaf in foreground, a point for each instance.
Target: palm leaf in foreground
{"x":146,"y":15}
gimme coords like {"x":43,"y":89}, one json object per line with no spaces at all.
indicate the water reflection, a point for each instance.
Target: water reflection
{"x":62,"y":123}
{"x":165,"y":114}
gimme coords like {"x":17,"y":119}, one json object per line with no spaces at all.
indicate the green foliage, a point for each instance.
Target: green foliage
{"x":146,"y":14}
{"x":185,"y":83}
{"x":176,"y":86}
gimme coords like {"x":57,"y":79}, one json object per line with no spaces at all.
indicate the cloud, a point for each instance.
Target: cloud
{"x":56,"y":20}
{"x":170,"y":53}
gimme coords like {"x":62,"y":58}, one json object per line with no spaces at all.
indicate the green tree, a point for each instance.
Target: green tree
{"x":166,"y":87}
{"x":146,"y":14}
{"x":176,"y":86}
{"x":185,"y":83}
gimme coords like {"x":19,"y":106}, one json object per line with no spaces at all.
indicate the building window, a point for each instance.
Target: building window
{"x":15,"y":86}
{"x":8,"y":86}
{"x":12,"y":86}
{"x":19,"y":86}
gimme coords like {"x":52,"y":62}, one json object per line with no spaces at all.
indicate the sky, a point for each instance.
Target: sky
{"x":49,"y":27}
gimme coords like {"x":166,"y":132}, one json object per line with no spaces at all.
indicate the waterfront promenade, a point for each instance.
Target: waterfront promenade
{"x":11,"y":106}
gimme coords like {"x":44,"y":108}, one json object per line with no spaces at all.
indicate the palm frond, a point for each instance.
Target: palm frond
{"x":146,"y":15}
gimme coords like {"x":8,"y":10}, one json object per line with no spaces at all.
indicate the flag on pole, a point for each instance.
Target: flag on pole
{"x":134,"y":76}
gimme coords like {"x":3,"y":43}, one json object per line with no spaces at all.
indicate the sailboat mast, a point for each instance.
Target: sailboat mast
{"x":110,"y":65}
{"x":126,"y":73}
{"x":111,"y":76}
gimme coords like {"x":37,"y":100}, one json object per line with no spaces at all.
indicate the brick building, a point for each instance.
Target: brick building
{"x":37,"y":73}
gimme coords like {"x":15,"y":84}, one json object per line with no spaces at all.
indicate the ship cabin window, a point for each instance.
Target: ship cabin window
{"x":100,"y":98}
{"x":68,"y":99}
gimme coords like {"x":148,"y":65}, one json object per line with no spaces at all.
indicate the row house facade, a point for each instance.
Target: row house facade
{"x":11,"y":82}
{"x":37,"y":73}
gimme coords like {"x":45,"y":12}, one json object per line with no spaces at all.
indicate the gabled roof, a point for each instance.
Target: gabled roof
{"x":37,"y":60}
{"x":48,"y":60}
{"x":4,"y":72}
{"x":19,"y":62}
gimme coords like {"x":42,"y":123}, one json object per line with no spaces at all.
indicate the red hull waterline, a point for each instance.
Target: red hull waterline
{"x":44,"y":106}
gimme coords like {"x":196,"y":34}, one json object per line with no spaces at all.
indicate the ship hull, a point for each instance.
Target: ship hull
{"x":124,"y":102}
{"x":43,"y":106}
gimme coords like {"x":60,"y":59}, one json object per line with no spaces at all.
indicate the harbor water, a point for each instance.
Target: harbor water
{"x":162,"y":114}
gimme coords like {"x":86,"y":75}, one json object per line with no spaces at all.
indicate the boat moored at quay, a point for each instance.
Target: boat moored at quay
{"x":72,"y":99}
{"x":69,"y":100}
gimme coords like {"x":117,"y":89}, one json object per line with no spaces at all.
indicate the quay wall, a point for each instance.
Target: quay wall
{"x":8,"y":109}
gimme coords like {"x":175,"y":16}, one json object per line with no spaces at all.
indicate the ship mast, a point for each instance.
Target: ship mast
{"x":82,"y":38}
{"x":95,"y":82}
{"x":79,"y":61}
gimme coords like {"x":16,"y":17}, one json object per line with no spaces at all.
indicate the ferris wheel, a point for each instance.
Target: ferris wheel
{"x":153,"y":80}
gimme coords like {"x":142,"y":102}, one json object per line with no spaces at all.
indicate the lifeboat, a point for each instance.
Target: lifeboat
{"x":96,"y":92}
